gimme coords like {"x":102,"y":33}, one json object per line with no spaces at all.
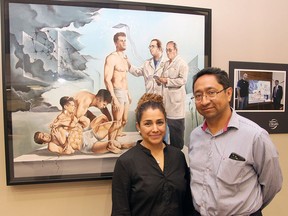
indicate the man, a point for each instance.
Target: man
{"x":234,"y":164}
{"x":66,"y":130}
{"x":173,"y":80}
{"x":115,"y":78}
{"x":66,"y":127}
{"x":243,"y":91}
{"x":54,"y":142}
{"x":277,"y":95}
{"x":84,"y":100}
{"x":152,"y":68}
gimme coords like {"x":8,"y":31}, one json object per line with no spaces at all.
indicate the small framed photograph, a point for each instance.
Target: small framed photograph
{"x":260,"y":93}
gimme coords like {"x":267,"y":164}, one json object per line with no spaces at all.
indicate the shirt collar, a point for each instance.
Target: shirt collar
{"x":234,"y":120}
{"x":232,"y":123}
{"x":176,"y":57}
{"x":139,"y":145}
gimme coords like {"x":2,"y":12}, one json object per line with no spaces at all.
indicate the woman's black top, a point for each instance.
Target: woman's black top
{"x":140,"y":187}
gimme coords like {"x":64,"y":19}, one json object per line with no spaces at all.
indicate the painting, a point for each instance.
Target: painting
{"x":260,"y":93}
{"x":53,"y":81}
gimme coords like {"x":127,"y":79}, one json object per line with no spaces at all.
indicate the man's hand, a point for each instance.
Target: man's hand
{"x":115,"y":104}
{"x":162,"y":80}
{"x":59,"y":137}
{"x":103,"y":118}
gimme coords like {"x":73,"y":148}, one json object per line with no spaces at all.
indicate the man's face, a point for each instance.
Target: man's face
{"x":245,"y":76}
{"x":101,"y":104}
{"x":70,"y":107}
{"x":212,"y":108}
{"x":45,"y":137}
{"x":154,"y":50}
{"x":171,"y":51}
{"x":121,"y":43}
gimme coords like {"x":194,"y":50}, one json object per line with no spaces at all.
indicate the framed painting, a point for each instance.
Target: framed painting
{"x":54,"y":51}
{"x":260,"y":93}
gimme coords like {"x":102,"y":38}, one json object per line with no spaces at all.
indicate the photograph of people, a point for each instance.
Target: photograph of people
{"x":259,"y":90}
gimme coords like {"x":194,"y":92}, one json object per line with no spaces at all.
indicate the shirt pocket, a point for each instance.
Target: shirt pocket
{"x":173,"y":72}
{"x":231,"y":171}
{"x":175,"y":96}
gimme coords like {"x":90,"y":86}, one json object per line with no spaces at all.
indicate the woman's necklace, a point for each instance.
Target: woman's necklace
{"x":153,"y":154}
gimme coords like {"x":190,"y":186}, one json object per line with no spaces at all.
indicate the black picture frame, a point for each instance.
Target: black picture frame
{"x":30,"y":32}
{"x":260,"y":108}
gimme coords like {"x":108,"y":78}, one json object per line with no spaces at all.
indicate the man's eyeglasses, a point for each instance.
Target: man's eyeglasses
{"x":169,"y":50}
{"x":152,"y":46}
{"x":211,"y":94}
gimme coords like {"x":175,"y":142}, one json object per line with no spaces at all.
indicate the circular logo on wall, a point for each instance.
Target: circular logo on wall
{"x":273,"y":123}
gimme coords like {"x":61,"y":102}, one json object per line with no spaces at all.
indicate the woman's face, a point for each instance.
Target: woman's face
{"x":152,"y":126}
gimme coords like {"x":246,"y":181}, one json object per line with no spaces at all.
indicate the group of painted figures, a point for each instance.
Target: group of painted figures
{"x":77,"y":128}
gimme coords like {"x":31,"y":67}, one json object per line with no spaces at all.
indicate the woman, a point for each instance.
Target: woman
{"x":152,"y":178}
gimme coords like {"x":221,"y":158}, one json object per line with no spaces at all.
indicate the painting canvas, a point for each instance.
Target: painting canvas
{"x":58,"y":49}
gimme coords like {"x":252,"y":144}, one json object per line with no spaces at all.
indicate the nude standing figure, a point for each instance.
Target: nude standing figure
{"x":115,"y":78}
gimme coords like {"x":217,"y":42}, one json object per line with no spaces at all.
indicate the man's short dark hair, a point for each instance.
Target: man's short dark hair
{"x":118,"y":34}
{"x":220,"y":75}
{"x":174,"y":44}
{"x":37,"y":139}
{"x":159,"y":43}
{"x":65,"y":100}
{"x":105,"y":95}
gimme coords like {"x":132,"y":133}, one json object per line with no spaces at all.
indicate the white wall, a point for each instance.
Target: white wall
{"x":254,"y":31}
